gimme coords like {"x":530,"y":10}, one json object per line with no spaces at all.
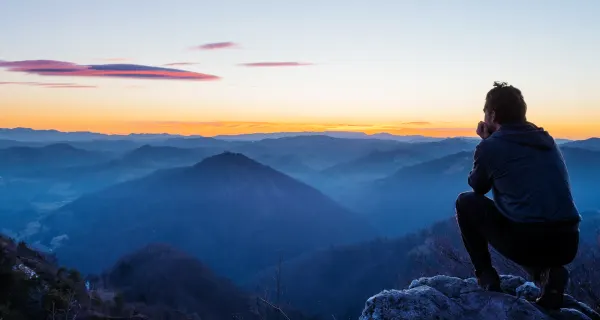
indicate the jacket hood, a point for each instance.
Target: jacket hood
{"x":526,"y":134}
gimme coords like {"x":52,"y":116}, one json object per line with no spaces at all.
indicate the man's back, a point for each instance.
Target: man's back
{"x":526,"y":171}
{"x":532,"y":220}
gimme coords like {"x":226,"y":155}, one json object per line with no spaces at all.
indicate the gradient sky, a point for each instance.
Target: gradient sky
{"x":406,"y":67}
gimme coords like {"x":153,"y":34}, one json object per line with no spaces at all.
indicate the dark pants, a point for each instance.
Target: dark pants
{"x":534,"y":246}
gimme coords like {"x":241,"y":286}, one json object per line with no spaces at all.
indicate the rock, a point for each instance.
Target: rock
{"x":572,"y":303}
{"x":528,"y":291}
{"x":509,"y":284}
{"x":449,"y":298}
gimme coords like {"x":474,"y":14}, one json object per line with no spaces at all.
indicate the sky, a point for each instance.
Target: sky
{"x":229,"y":67}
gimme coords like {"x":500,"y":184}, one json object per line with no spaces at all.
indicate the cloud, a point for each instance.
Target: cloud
{"x":275,"y":64}
{"x":52,"y":85}
{"x":417,"y":123}
{"x":62,"y":68}
{"x":180,"y":64}
{"x":215,"y":45}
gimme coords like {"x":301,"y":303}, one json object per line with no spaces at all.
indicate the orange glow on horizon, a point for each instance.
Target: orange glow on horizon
{"x":214,"y":128}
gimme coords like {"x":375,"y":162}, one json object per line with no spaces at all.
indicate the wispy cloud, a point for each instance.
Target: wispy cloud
{"x":215,"y":46}
{"x":63,"y":68}
{"x":181,"y":64}
{"x":417,"y":123}
{"x":52,"y":85}
{"x":275,"y":64}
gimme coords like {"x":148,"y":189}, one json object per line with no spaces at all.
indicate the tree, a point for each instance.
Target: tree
{"x":74,"y":276}
{"x":119,"y":303}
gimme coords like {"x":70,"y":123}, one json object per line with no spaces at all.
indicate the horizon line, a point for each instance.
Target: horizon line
{"x":324,"y":132}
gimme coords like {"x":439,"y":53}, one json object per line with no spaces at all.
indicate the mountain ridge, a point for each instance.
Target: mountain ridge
{"x":271,"y":212}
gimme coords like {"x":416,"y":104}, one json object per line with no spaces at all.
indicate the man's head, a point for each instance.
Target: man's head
{"x":504,"y":104}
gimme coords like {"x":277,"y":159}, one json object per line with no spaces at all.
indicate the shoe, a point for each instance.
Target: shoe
{"x":489,"y":280}
{"x":535,"y":275}
{"x":554,"y":281}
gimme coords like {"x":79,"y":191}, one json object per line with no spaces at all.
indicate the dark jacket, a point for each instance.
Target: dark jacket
{"x":523,"y":166}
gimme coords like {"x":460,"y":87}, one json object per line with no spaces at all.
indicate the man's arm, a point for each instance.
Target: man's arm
{"x":479,"y":177}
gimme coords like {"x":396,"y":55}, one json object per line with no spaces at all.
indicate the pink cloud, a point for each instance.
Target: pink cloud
{"x":48,"y":84}
{"x":275,"y":64}
{"x":215,"y":45}
{"x":180,"y":64}
{"x":62,"y":68}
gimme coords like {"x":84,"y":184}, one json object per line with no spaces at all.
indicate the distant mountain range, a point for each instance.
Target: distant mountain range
{"x":416,"y":196}
{"x":27,"y":134}
{"x":31,"y":135}
{"x":234,"y":213}
{"x":383,"y":163}
{"x":333,"y":134}
{"x":590,"y":144}
{"x":227,"y":207}
{"x":51,"y":156}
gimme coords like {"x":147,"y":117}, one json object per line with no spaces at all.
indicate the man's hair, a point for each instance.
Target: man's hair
{"x":507,"y":102}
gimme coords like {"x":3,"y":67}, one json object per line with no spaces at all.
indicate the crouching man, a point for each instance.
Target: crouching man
{"x":532,"y":219}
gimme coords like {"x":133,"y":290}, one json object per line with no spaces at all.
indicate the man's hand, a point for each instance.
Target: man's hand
{"x":482,"y":130}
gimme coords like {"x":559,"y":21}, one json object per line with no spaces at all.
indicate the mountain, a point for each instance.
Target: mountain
{"x":32,"y":135}
{"x":48,"y":185}
{"x":414,"y":196}
{"x":155,"y":282}
{"x":197,"y":142}
{"x":160,"y":275}
{"x":165,"y":156}
{"x":115,"y":147}
{"x":337,"y":280}
{"x":6,"y":143}
{"x":27,"y":134}
{"x":315,"y":151}
{"x":232,"y":212}
{"x":409,"y":138}
{"x":584,"y":171}
{"x":379,"y":164}
{"x":333,"y":134}
{"x":418,"y":195}
{"x":589,"y":144}
{"x":51,"y":156}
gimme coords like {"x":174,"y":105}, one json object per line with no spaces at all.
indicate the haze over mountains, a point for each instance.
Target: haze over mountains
{"x":235,"y":212}
{"x":232,"y":207}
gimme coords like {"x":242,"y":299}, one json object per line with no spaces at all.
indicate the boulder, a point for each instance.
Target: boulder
{"x":449,"y":298}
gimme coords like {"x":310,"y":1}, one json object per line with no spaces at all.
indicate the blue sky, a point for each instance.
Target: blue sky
{"x":373,"y":63}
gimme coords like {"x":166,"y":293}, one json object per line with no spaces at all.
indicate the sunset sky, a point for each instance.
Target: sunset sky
{"x":234,"y":66}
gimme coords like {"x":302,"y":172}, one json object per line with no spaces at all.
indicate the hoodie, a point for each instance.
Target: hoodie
{"x":526,"y":172}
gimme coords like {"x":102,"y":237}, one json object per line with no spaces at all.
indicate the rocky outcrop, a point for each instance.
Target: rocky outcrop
{"x":449,"y":298}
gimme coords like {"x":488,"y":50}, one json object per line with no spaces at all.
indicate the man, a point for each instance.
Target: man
{"x":532,"y":219}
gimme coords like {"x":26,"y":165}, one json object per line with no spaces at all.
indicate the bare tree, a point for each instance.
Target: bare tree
{"x":276,"y":308}
{"x":278,"y":281}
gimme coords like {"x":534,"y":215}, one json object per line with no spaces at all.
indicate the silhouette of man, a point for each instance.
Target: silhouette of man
{"x":532,"y":219}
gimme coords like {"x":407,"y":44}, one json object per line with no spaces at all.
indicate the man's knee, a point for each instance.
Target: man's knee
{"x":466,"y":199}
{"x":468,"y":203}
